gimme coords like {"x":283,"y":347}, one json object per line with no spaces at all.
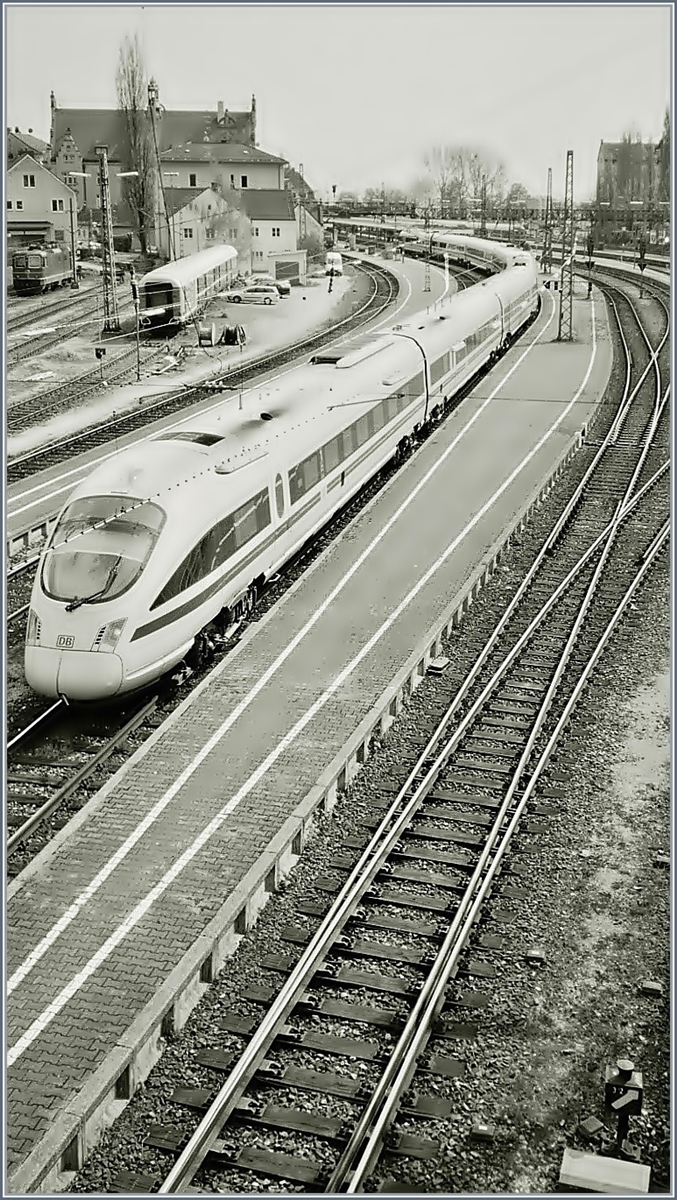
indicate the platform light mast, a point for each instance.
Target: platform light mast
{"x":546,"y":257}
{"x":111,"y":318}
{"x":302,"y":207}
{"x":565,"y":329}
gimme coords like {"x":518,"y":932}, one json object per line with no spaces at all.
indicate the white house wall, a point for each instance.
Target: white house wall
{"x":258,"y":175}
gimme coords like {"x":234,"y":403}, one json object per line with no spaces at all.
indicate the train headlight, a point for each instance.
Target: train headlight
{"x":107,"y":638}
{"x":32,"y":628}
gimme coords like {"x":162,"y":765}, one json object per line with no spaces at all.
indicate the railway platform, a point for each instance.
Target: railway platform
{"x":307,"y":310}
{"x":116,"y":929}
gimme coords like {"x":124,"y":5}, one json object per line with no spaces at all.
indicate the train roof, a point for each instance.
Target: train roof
{"x":182,"y":270}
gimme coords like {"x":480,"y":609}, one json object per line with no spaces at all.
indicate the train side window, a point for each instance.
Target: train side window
{"x":331,"y":454}
{"x":312,"y":470}
{"x":349,"y":443}
{"x":296,"y":483}
{"x":392,"y":407}
{"x":362,"y":430}
{"x":279,"y":495}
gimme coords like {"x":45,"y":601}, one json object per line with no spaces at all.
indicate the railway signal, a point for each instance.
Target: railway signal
{"x":591,"y":250}
{"x":641,"y":263}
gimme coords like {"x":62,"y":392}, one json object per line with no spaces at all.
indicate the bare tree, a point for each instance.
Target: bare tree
{"x":663,"y":157}
{"x":137,"y":151}
{"x":460,"y":174}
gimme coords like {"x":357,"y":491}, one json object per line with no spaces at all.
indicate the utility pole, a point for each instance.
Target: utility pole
{"x":546,"y":257}
{"x":135,"y":297}
{"x":111,"y":319}
{"x":565,"y":329}
{"x":75,"y":282}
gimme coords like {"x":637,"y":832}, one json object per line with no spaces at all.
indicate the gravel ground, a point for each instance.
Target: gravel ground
{"x":597,"y":905}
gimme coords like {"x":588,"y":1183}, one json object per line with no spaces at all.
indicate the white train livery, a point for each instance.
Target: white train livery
{"x":181,"y":530}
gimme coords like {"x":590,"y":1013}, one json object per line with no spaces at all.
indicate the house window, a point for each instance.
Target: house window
{"x":54,"y":206}
{"x":20,"y":205}
{"x":232,"y":181}
{"x":193,"y":180}
{"x":276,"y":231}
{"x":9,"y":203}
{"x":29,"y":180}
{"x":256,"y":231}
{"x":60,"y":205}
{"x":243,"y":182}
{"x":188,"y":233}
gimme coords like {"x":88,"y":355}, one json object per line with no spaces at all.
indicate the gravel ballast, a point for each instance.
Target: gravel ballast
{"x":597,"y":905}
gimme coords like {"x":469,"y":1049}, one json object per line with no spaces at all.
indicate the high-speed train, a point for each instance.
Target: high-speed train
{"x":173,"y":537}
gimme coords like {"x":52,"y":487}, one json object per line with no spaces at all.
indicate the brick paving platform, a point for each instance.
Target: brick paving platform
{"x":115,"y":928}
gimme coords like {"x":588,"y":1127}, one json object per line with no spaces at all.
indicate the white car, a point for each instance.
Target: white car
{"x":253,"y":293}
{"x":283,"y":286}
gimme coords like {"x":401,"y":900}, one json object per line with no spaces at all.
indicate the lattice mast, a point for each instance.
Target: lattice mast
{"x":111,"y":318}
{"x":302,"y":207}
{"x":565,"y":330}
{"x":546,"y":257}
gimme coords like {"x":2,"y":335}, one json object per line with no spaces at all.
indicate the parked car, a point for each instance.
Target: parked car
{"x":283,"y":285}
{"x":253,"y":293}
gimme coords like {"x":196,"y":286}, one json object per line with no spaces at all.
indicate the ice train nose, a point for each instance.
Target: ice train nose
{"x":75,"y":674}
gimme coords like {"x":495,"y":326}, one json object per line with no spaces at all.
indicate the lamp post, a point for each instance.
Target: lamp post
{"x":75,"y":283}
{"x":135,"y":297}
{"x":171,"y":234}
{"x":426,"y":375}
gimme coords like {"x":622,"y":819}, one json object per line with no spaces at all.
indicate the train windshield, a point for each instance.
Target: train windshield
{"x":35,"y":260}
{"x":100,"y":547}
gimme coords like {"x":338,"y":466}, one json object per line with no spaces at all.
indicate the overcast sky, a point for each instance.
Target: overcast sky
{"x":359,"y":93}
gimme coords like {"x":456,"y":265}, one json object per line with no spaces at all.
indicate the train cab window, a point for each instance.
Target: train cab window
{"x":99,"y":548}
{"x":279,"y":495}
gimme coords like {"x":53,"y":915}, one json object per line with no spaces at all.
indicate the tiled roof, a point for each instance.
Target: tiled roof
{"x":178,"y":198}
{"x":91,"y":127}
{"x":298,"y":184}
{"x":32,"y":144}
{"x":268,"y":204}
{"x":218,"y":152}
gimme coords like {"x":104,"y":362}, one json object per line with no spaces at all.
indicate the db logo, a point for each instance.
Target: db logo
{"x":65,"y":641}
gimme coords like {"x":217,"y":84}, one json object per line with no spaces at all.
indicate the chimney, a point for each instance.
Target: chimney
{"x":252,"y":136}
{"x":219,"y":112}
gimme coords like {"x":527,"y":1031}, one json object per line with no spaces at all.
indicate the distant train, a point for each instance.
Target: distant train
{"x":170,"y":539}
{"x":172,"y":295}
{"x":39,"y":268}
{"x":333,"y":263}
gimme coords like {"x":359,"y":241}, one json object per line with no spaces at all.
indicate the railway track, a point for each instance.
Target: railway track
{"x":79,"y":311}
{"x":376,"y":987}
{"x":57,"y":762}
{"x":375,"y":1007}
{"x":383,"y":293}
{"x":47,"y":307}
{"x":19,"y":584}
